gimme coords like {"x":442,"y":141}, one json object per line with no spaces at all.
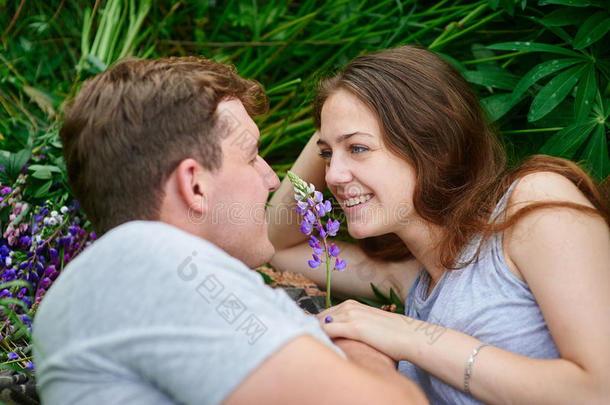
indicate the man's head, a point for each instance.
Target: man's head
{"x":150,"y":140}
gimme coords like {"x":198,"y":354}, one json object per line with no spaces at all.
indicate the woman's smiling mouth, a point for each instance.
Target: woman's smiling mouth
{"x":354,"y":201}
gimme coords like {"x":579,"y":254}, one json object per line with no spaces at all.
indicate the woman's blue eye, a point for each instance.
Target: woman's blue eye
{"x":358,"y":148}
{"x":326,"y":154}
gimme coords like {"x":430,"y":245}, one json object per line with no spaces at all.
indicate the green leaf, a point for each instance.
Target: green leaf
{"x":42,"y":174}
{"x":596,"y":153}
{"x":43,"y":190}
{"x":494,"y":4}
{"x":592,"y":30}
{"x":587,"y":87}
{"x":369,"y":302}
{"x":385,"y":299}
{"x":565,"y":16}
{"x":554,"y":93}
{"x":509,"y":6}
{"x":395,"y":298}
{"x":13,"y":163}
{"x":493,"y":78}
{"x":573,"y":3}
{"x":540,"y":71}
{"x":568,"y":141}
{"x":498,"y":105}
{"x":51,"y":168}
{"x":534,"y":47}
{"x":266,"y":278}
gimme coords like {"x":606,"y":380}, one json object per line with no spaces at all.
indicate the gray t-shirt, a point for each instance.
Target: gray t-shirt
{"x":150,"y":314}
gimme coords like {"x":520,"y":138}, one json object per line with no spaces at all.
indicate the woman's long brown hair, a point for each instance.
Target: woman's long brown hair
{"x":430,"y":117}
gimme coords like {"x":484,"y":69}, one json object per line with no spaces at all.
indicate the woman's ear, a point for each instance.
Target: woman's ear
{"x":192,"y":185}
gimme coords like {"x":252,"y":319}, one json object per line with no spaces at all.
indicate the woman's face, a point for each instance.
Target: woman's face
{"x":373,"y":186}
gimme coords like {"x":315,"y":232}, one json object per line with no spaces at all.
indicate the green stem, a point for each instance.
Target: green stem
{"x":328,"y":303}
{"x":492,"y":58}
{"x":525,"y":131}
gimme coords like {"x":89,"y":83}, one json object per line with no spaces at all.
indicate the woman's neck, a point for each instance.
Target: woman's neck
{"x":423,"y":239}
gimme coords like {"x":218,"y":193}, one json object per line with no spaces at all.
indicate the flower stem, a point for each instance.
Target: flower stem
{"x":328,"y":303}
{"x":327,"y":261}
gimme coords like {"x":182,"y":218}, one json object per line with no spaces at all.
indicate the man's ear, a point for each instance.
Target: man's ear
{"x":192,"y":179}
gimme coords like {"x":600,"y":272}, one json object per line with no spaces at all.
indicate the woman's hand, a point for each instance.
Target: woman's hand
{"x":384,"y":331}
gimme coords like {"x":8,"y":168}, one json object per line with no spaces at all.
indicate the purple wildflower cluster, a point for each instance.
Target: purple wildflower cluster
{"x":313,"y":208}
{"x":35,"y":246}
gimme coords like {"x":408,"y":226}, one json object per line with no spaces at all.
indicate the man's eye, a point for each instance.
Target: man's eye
{"x":326,"y":154}
{"x":358,"y":148}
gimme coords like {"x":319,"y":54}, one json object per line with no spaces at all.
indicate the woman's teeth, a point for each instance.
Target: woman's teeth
{"x":357,"y":200}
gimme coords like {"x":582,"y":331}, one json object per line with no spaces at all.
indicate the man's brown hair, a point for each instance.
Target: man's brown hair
{"x":130,"y":126}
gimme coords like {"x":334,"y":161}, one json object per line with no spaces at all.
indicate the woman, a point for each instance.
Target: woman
{"x":512,"y":300}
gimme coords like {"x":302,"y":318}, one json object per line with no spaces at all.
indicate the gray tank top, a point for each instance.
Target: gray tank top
{"x":484,"y":300}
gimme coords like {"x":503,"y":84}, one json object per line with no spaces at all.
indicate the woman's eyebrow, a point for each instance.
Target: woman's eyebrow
{"x":343,"y":137}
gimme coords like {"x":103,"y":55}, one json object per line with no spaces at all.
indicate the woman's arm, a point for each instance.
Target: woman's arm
{"x":564,"y":256}
{"x":284,"y":231}
{"x":355,"y":279}
{"x":292,"y":250}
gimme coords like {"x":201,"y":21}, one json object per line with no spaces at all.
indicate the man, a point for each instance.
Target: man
{"x":163,"y":157}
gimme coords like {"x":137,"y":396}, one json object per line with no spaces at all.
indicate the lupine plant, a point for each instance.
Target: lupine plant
{"x":313,"y":208}
{"x":36,"y":244}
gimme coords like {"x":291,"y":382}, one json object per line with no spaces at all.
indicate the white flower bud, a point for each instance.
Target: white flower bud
{"x":63,"y":209}
{"x":8,"y":262}
{"x":54,"y":213}
{"x":52,"y":221}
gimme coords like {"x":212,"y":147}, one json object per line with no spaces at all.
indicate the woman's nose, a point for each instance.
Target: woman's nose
{"x":337,"y":172}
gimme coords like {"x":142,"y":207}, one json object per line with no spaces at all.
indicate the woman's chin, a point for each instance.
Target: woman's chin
{"x":360,"y":231}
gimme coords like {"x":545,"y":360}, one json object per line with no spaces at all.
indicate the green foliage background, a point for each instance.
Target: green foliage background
{"x":541,"y":69}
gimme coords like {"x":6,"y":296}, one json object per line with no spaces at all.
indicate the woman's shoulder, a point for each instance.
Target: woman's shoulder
{"x":544,"y":186}
{"x":544,"y":226}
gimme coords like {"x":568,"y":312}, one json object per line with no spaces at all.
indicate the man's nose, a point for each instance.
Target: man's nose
{"x":270,"y":178}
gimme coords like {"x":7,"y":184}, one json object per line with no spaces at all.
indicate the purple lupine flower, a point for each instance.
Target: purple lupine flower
{"x":333,"y":250}
{"x":301,"y":207}
{"x":5,"y":191}
{"x":317,"y":196}
{"x":306,"y":227}
{"x":13,"y":356}
{"x":315,"y":262}
{"x":310,"y":217}
{"x":25,"y":319}
{"x":45,"y":282}
{"x":29,"y":365}
{"x":50,"y":270}
{"x":332,"y":227}
{"x":311,"y":205}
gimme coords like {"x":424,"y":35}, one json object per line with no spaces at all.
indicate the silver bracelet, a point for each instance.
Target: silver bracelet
{"x":469,"y":367}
